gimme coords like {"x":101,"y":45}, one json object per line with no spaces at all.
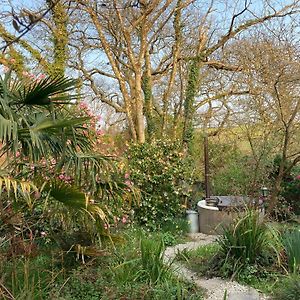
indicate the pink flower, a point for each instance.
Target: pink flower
{"x":106,"y":226}
{"x":61,"y":176}
{"x":99,"y":132}
{"x":90,"y":114}
{"x":124,"y":219}
{"x":83,"y":105}
{"x":128,"y":182}
{"x":126,"y":175}
{"x":298,"y":177}
{"x":99,"y":118}
{"x":18,"y":154}
{"x":43,"y":234}
{"x":41,"y":77}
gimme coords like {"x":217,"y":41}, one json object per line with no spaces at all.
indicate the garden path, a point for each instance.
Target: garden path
{"x":215,"y":287}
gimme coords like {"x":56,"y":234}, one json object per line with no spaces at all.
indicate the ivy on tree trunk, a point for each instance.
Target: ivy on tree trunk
{"x":189,"y":109}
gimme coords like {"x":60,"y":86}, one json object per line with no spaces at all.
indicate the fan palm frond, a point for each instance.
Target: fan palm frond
{"x":47,"y":91}
{"x":16,"y":187}
{"x":44,"y":137}
{"x":8,"y":129}
{"x":75,"y":200}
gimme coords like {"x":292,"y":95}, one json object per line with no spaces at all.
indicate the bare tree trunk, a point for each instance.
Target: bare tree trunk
{"x":140,"y":122}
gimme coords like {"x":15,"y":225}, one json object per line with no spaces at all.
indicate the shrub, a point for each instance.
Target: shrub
{"x":291,"y":193}
{"x":248,"y":242}
{"x":233,"y":172}
{"x":289,"y":202}
{"x":282,"y":211}
{"x":244,"y":239}
{"x":161,"y":172}
{"x":233,"y":178}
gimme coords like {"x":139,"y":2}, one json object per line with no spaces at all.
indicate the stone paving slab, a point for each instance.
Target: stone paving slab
{"x":250,"y":295}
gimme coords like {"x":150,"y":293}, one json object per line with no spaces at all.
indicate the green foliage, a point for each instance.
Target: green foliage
{"x":135,"y":271}
{"x":26,"y":278}
{"x":282,"y":211}
{"x":248,"y":245}
{"x":244,"y":239}
{"x":86,"y":285}
{"x":232,"y":171}
{"x":291,"y":194}
{"x":160,"y":171}
{"x":147,"y":89}
{"x":145,"y":264}
{"x":153,"y":268}
{"x":202,"y":259}
{"x":52,"y":180}
{"x":232,"y":179}
{"x":83,"y":285}
{"x":288,"y":289}
{"x":191,"y":92}
{"x":288,"y":203}
{"x":207,"y":261}
{"x":291,"y":243}
{"x":259,"y":277}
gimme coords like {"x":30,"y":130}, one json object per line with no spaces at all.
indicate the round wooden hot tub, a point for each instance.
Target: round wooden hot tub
{"x":212,"y":219}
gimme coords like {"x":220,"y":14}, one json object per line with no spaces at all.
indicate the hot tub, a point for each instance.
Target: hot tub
{"x":213,"y":218}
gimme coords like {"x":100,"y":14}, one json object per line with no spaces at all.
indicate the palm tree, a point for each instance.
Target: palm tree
{"x":37,"y":124}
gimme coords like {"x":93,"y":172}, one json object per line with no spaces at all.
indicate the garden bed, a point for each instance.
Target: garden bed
{"x":254,"y":254}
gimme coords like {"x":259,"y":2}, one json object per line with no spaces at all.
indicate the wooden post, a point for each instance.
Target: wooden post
{"x":206,"y":171}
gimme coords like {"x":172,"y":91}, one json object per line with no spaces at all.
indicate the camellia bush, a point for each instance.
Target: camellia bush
{"x":163,"y":175}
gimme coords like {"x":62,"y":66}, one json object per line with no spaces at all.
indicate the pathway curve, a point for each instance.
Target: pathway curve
{"x":215,"y":287}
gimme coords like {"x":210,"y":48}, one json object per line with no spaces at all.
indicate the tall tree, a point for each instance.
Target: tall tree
{"x":45,"y":45}
{"x":158,"y":63}
{"x":271,"y":70}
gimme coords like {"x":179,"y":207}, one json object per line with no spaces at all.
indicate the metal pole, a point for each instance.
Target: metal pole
{"x":206,"y":171}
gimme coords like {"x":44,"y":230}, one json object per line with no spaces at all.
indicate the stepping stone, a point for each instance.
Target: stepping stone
{"x":249,"y":295}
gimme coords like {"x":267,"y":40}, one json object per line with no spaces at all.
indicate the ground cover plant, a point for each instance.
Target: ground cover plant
{"x":131,"y":269}
{"x":288,"y":288}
